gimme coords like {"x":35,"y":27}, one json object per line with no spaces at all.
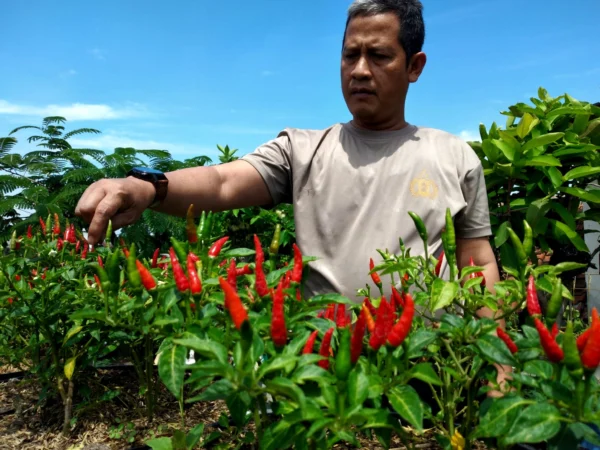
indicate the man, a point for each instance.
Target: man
{"x":351,"y":184}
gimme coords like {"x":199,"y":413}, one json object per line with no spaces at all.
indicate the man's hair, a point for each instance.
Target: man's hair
{"x":409,"y":13}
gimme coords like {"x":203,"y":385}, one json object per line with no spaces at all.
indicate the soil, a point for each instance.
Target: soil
{"x":27,"y":425}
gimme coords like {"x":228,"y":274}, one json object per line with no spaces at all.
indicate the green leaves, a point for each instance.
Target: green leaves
{"x":536,"y":423}
{"x":443,"y":293}
{"x":495,"y":350}
{"x":500,"y":416}
{"x":171,"y":368}
{"x":406,"y":402}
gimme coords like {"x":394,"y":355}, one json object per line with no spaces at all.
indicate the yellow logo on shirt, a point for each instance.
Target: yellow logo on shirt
{"x":422,"y":186}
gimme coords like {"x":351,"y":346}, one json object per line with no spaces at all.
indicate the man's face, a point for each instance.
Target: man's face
{"x":374,"y":74}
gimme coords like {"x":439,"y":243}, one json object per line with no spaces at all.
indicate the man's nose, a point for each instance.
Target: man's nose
{"x":361,"y":68}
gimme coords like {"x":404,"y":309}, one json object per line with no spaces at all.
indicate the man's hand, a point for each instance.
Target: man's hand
{"x":122,"y":200}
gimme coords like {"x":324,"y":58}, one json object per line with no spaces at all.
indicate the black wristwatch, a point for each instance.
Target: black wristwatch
{"x":156,"y":177}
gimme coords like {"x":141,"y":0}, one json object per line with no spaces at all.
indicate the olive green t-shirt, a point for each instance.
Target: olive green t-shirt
{"x":352,"y":189}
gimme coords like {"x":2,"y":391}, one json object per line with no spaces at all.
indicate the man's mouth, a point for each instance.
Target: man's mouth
{"x":361,"y":92}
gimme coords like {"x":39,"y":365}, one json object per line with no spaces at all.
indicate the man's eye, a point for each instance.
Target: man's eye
{"x":380,"y":56}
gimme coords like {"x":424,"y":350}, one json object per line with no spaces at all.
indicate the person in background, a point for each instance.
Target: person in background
{"x":352,"y":183}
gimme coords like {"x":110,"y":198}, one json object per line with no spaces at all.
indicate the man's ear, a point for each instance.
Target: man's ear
{"x":416,"y":66}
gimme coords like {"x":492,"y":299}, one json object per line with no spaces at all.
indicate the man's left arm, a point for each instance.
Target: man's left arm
{"x":483,"y":255}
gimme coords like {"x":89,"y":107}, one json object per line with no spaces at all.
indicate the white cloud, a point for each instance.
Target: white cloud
{"x":75,"y":111}
{"x":468,"y":135}
{"x":98,"y":53}
{"x":110,"y":141}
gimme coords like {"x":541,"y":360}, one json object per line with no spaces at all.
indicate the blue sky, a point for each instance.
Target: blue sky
{"x":187,"y":75}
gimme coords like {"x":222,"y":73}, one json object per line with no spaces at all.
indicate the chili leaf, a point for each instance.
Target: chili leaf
{"x":406,"y":402}
{"x":442,"y":293}
{"x":494,"y":349}
{"x":536,"y":423}
{"x":425,"y":372}
{"x":205,"y":347}
{"x":419,"y":340}
{"x":162,"y":443}
{"x":358,"y":388}
{"x":171,"y":368}
{"x":500,"y":416}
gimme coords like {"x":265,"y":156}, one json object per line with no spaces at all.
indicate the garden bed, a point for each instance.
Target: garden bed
{"x":97,"y":427}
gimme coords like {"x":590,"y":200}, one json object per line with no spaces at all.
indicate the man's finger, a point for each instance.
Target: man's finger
{"x":89,"y":201}
{"x":105,"y":210}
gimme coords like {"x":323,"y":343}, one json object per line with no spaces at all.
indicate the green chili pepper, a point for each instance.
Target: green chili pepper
{"x":421,"y":229}
{"x":113,"y":269}
{"x":201,"y":227}
{"x":555,"y":302}
{"x":527,"y":238}
{"x":104,"y":279}
{"x":274,"y":247}
{"x":572,"y":358}
{"x":180,"y":249}
{"x":49,"y":222}
{"x":210,"y":217}
{"x":133,"y":273}
{"x":518,"y":245}
{"x":109,"y":231}
{"x":12,"y":244}
{"x":449,"y":241}
{"x":343,"y":362}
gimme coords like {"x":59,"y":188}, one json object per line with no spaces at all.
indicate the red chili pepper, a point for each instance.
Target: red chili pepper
{"x":190,"y":226}
{"x":507,"y":340}
{"x":340,"y":319}
{"x":232,"y":274}
{"x":401,"y":329}
{"x":533,"y":304}
{"x":383,"y":324}
{"x":44,"y":274}
{"x":155,"y":258}
{"x":224,"y":263}
{"x":246,"y":270}
{"x":77,"y":246}
{"x":325,"y":349}
{"x":194,"y":282}
{"x":438,"y":266}
{"x":59,"y":244}
{"x":43,"y":225}
{"x":369,"y":319}
{"x":261,"y":281}
{"x":29,"y":232}
{"x":370,"y":306}
{"x":56,"y":229}
{"x":287,"y":279}
{"x":297,"y":270}
{"x":195,"y":258}
{"x":582,"y":339}
{"x":181,"y":281}
{"x":310,"y":343}
{"x":374,"y":276}
{"x":147,"y":279}
{"x":554,"y":331}
{"x":233,"y":304}
{"x":85,"y":250}
{"x":18,"y":277}
{"x":72,"y":237}
{"x":397,"y":298}
{"x":590,"y":357}
{"x":100,"y":262}
{"x":356,"y":343}
{"x":126,"y":252}
{"x":10,"y":300}
{"x":552,"y":349}
{"x":476,"y":274}
{"x":278,"y":328}
{"x":298,"y":295}
{"x":98,"y":283}
{"x":330,"y":313}
{"x":215,"y":249}
{"x":34,"y":272}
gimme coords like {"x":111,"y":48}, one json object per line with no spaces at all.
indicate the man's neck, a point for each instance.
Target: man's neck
{"x":392,"y":125}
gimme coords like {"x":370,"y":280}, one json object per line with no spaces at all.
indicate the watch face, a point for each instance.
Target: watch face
{"x":147,"y":170}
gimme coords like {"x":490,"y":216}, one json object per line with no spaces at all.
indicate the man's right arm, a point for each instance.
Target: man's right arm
{"x":216,"y":188}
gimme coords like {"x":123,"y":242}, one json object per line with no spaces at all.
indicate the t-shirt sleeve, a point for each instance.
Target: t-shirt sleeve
{"x":273,"y":161}
{"x":473,"y":221}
